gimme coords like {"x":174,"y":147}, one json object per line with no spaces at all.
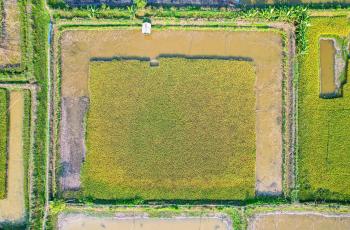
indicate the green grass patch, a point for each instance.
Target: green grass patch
{"x":171,"y":133}
{"x":3,"y":141}
{"x":324,"y":128}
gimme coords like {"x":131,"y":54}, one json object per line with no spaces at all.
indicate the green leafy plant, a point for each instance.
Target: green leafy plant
{"x":132,"y":11}
{"x":140,"y":4}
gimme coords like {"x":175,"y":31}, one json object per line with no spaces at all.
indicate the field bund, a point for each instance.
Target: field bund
{"x":263,"y":47}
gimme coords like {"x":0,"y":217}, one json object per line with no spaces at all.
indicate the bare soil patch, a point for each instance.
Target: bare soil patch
{"x":296,"y":221}
{"x":12,"y":208}
{"x":10,"y":48}
{"x":72,"y":140}
{"x":265,"y":48}
{"x":80,"y":221}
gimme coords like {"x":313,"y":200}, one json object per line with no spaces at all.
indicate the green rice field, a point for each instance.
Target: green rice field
{"x":324,"y":127}
{"x":171,"y":133}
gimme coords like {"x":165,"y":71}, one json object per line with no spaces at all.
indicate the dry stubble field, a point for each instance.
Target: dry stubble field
{"x":10,"y":40}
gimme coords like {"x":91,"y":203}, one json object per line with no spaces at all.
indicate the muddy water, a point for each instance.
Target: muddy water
{"x":76,"y":222}
{"x":299,"y":221}
{"x":12,"y":208}
{"x":327,"y":62}
{"x":263,"y":47}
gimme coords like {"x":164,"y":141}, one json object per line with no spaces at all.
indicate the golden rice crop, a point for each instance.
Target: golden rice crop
{"x":183,"y":130}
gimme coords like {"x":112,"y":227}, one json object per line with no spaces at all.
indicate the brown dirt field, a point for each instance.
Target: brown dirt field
{"x":10,"y":47}
{"x":72,"y":131}
{"x":265,"y":48}
{"x":299,"y":221}
{"x":12,"y":208}
{"x":79,"y":221}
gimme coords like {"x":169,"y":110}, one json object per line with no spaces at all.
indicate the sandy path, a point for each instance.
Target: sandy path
{"x":265,"y":48}
{"x":12,"y":208}
{"x":299,"y":221}
{"x":79,"y":221}
{"x":10,"y":48}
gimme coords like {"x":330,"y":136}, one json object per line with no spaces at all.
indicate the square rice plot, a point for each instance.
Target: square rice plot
{"x":182,"y":130}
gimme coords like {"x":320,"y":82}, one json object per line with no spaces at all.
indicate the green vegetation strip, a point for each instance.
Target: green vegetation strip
{"x":171,"y":133}
{"x":324,"y":127}
{"x":40,"y":20}
{"x":3,"y":141}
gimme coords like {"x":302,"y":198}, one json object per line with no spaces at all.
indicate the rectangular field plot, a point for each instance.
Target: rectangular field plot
{"x":298,"y":221}
{"x":12,"y":206}
{"x":10,"y":44}
{"x":183,"y":130}
{"x":15,"y":124}
{"x":89,"y":222}
{"x":327,"y":63}
{"x":264,"y":48}
{"x":324,"y":128}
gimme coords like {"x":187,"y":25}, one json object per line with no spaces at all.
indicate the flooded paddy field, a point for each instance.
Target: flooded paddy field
{"x":80,"y":221}
{"x":10,"y":47}
{"x":299,"y":221}
{"x":263,"y":47}
{"x":327,"y":62}
{"x":332,"y":68}
{"x":12,"y":208}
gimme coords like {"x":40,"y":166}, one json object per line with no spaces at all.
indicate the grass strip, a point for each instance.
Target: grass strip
{"x":3,"y":141}
{"x":40,"y":46}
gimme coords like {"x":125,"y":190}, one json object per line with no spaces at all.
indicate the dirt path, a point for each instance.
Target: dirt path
{"x":10,"y":47}
{"x":80,"y":221}
{"x":265,"y":48}
{"x":12,"y":208}
{"x":299,"y":221}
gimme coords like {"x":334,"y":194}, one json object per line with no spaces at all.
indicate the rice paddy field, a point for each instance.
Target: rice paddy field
{"x":221,"y":118}
{"x":264,"y":48}
{"x":171,"y":133}
{"x":324,"y":130}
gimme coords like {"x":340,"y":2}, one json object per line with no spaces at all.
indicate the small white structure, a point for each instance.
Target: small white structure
{"x":146,"y":28}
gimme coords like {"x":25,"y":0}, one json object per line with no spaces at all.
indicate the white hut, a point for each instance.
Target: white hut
{"x":146,"y":28}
